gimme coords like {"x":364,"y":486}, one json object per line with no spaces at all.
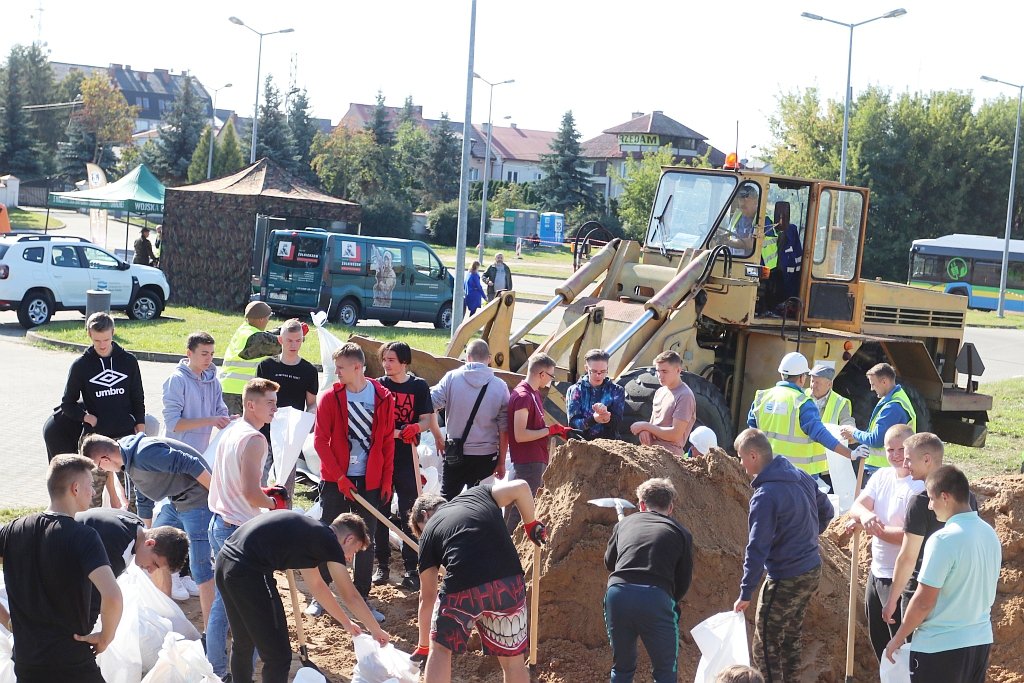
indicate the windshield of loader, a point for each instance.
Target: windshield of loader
{"x":685,"y":209}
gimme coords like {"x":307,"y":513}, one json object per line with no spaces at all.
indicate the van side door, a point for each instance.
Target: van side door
{"x":427,"y":288}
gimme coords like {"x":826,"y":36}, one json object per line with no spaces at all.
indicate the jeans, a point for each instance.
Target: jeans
{"x":333,"y":504}
{"x":195,"y":523}
{"x":217,"y":628}
{"x":533,"y":474}
{"x":634,"y":611}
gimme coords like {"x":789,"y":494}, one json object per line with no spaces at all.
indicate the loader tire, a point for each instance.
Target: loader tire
{"x":712,"y":408}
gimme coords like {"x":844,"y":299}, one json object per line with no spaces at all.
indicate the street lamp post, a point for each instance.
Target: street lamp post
{"x":1000,"y":309}
{"x":213,"y":119}
{"x":849,"y":67}
{"x":487,"y":164}
{"x":259,"y":59}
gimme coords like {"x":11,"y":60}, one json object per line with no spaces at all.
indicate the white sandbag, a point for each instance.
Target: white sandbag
{"x":210,"y":454}
{"x":181,"y":661}
{"x":898,"y":672}
{"x":311,"y":458}
{"x":376,"y":664}
{"x":844,"y":481}
{"x":316,"y":510}
{"x":722,"y":639}
{"x":308,"y":675}
{"x":288,"y":431}
{"x":433,"y":478}
{"x":328,"y":344}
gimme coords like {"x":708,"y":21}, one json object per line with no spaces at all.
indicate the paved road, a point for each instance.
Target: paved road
{"x":1000,"y":350}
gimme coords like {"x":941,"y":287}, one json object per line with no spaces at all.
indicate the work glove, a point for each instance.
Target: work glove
{"x":536,"y":532}
{"x":385,"y":492}
{"x":278,"y":494}
{"x":305,"y":330}
{"x":419,"y":655}
{"x":409,"y":433}
{"x":860,"y":451}
{"x":346,"y":487}
{"x":558,"y":430}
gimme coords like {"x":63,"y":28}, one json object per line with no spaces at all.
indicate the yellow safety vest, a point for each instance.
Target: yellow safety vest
{"x":770,"y":247}
{"x":877,"y":457}
{"x":235,"y":372}
{"x":777,"y":411}
{"x":833,"y":409}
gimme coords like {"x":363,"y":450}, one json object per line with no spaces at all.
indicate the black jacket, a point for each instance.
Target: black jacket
{"x":652,"y":549}
{"x":110,"y":388}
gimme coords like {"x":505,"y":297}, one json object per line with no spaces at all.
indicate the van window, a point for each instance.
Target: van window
{"x":426,"y":263}
{"x":297,"y":251}
{"x":347,"y":255}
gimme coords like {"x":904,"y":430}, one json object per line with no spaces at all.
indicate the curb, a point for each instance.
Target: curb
{"x":151,"y":356}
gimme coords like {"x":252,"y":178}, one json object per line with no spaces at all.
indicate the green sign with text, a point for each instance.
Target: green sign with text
{"x":644,"y":139}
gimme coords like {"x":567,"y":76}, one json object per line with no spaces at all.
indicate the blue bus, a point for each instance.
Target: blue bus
{"x":969,"y":265}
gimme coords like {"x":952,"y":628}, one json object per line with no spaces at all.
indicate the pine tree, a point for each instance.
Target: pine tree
{"x":79,"y":149}
{"x":20,"y":153}
{"x":180,"y":135}
{"x":565,"y":184}
{"x":410,"y":157}
{"x":39,"y":88}
{"x":228,"y":156}
{"x":379,"y":124}
{"x":273,"y":137}
{"x":303,"y":132}
{"x":201,"y":158}
{"x":408,"y":113}
{"x":441,"y":172}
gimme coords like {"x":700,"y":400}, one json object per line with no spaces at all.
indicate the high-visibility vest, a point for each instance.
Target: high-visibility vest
{"x":777,"y":411}
{"x":235,"y":372}
{"x":770,"y":247}
{"x":878,"y":457}
{"x":833,"y":409}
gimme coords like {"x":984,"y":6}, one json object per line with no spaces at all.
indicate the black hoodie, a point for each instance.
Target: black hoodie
{"x":111,"y":389}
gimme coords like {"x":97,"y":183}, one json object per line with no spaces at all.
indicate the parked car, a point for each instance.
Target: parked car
{"x":356,"y":276}
{"x":42,"y":274}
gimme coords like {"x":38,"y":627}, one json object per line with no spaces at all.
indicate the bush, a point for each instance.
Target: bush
{"x":387,"y":217}
{"x":443,"y":224}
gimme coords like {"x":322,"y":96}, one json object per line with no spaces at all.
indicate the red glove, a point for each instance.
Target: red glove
{"x":558,"y":430}
{"x":278,"y":494}
{"x":305,"y":329}
{"x":420,"y":654}
{"x":536,"y":532}
{"x":385,"y":492}
{"x":423,"y":480}
{"x":346,"y":487}
{"x":409,"y":433}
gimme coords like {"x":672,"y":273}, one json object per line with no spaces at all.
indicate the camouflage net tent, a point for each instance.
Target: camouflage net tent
{"x":209,"y":228}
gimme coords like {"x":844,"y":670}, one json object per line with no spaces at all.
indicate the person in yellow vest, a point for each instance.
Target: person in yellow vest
{"x":792,"y":423}
{"x":834,"y":409}
{"x":250,"y":343}
{"x":893,"y":408}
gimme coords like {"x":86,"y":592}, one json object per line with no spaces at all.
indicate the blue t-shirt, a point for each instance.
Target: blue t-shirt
{"x":360,"y":426}
{"x":962,"y":560}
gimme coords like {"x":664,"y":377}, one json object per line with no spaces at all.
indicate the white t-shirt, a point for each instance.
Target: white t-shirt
{"x":892,"y":496}
{"x":227,"y":495}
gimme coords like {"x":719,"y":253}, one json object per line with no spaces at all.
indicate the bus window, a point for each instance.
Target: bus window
{"x":837,"y":238}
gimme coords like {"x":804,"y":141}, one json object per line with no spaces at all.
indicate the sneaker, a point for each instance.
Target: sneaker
{"x":381,"y":576}
{"x":411,"y":581}
{"x":190,"y":585}
{"x":379,"y":616}
{"x":314,"y":609}
{"x":178,"y":590}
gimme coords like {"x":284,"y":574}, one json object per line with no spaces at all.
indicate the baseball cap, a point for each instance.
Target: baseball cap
{"x":825,"y":371}
{"x":257,"y":310}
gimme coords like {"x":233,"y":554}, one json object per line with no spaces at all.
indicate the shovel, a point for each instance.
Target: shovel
{"x":300,"y":631}
{"x":387,"y":522}
{"x":620,"y":504}
{"x":851,"y":620}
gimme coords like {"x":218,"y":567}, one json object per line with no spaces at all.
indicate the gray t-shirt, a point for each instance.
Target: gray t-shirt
{"x":360,"y":425}
{"x":500,"y":283}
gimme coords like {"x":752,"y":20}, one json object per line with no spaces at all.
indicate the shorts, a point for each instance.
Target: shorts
{"x":497,"y":609}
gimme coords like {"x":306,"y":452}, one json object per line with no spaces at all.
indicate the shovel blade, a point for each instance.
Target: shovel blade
{"x":611,"y":503}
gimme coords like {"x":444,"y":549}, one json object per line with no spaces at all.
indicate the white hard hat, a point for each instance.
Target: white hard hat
{"x":703,"y":440}
{"x":794,"y":364}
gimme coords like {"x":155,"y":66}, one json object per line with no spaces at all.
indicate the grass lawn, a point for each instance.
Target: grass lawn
{"x":541,"y":263}
{"x":32,"y":220}
{"x":1003,"y":450}
{"x":168,"y":336}
{"x":990,"y":319}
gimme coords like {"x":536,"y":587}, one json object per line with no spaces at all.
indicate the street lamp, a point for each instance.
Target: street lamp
{"x":213,"y":118}
{"x":849,"y":65}
{"x":259,"y":59}
{"x":487,"y":163}
{"x":1009,"y":202}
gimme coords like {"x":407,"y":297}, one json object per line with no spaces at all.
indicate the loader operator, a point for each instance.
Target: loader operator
{"x":792,"y":423}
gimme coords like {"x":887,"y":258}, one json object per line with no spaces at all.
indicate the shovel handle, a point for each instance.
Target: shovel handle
{"x":385,"y":521}
{"x":851,"y":621}
{"x":534,"y":605}
{"x":300,"y":631}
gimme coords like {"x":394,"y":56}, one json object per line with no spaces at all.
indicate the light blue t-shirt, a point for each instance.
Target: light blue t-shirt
{"x":360,"y":426}
{"x":962,"y":560}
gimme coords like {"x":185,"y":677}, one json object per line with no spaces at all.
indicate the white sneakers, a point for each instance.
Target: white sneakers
{"x":190,"y":586}
{"x":178,"y":590}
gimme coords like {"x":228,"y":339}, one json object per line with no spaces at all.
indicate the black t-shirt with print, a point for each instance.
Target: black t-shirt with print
{"x":47,"y":560}
{"x":283,"y":539}
{"x":295,"y":381}
{"x":412,"y":400}
{"x":468,"y":537}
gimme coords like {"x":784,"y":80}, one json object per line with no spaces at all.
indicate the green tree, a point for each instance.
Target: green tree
{"x":639,"y":185}
{"x":565,"y":184}
{"x":509,"y":196}
{"x":228,"y":156}
{"x":273,"y":136}
{"x":443,"y":224}
{"x":440,"y":175}
{"x":410,"y":156}
{"x":332,"y":161}
{"x":80,"y":148}
{"x":179,"y":136}
{"x":20,"y":151}
{"x":201,"y":157}
{"x":408,"y":112}
{"x":39,"y":87}
{"x":387,"y":217}
{"x":379,"y":124}
{"x":303,"y":131}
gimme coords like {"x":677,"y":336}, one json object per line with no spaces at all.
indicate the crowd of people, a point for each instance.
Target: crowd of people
{"x":198,"y":527}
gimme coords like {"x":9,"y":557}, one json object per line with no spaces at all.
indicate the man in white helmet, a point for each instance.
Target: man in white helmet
{"x":702,"y":440}
{"x":792,"y":423}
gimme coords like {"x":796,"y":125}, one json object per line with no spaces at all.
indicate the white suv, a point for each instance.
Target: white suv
{"x":41,"y":274}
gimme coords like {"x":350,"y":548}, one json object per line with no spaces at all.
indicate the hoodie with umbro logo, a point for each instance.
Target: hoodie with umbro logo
{"x":110,"y":388}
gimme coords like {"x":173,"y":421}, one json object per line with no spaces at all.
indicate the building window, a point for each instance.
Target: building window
{"x":600,"y":168}
{"x":474,"y":174}
{"x":512,"y":176}
{"x":138,"y":101}
{"x":538,"y":176}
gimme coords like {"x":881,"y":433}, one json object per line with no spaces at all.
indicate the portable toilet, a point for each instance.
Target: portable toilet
{"x":519,"y":223}
{"x":5,"y":220}
{"x":552,"y":227}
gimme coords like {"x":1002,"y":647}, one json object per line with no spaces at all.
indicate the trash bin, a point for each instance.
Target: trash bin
{"x":96,"y":300}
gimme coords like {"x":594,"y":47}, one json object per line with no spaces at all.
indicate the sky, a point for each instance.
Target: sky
{"x":707,"y":64}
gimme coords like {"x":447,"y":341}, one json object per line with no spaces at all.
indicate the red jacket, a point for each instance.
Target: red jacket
{"x":330,"y":437}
